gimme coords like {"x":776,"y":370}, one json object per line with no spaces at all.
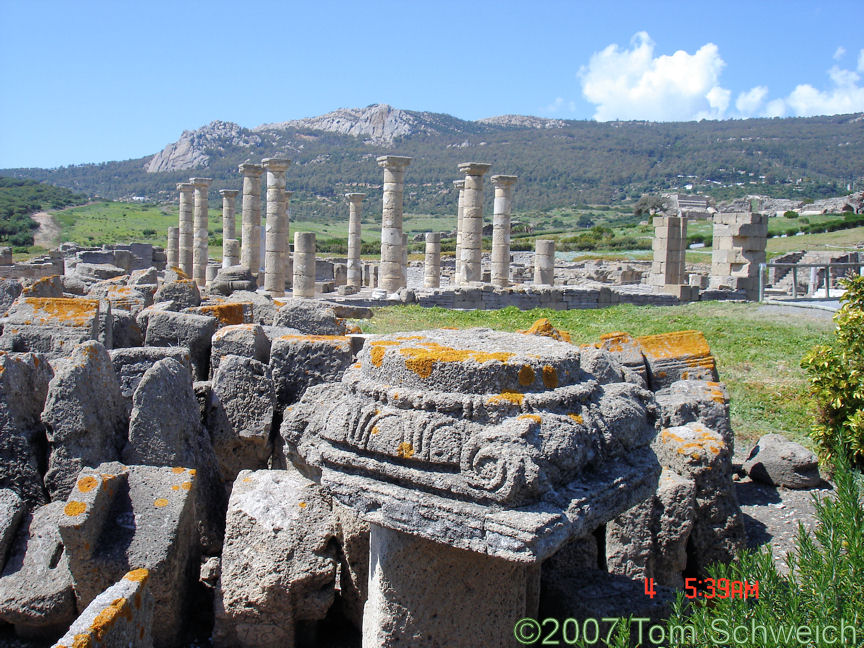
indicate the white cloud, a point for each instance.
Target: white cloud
{"x":748,"y":103}
{"x":560,"y":104}
{"x":844,"y":96}
{"x":775,"y":108}
{"x":861,"y":61}
{"x":634,"y":84}
{"x":839,"y":53}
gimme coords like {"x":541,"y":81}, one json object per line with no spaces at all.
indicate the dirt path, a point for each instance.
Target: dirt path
{"x":48,"y":234}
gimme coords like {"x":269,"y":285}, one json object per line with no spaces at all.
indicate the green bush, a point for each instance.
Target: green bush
{"x":790,"y":214}
{"x":836,"y":375}
{"x":824,"y":586}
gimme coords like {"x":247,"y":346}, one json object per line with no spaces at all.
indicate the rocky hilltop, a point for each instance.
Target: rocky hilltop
{"x":194,"y":148}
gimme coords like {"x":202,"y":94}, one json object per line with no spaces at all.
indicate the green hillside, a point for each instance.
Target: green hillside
{"x":19,"y":198}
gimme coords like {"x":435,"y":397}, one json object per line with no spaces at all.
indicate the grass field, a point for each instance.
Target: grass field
{"x":758,"y":349}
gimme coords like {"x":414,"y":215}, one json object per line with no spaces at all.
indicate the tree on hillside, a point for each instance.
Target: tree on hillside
{"x":650,"y":204}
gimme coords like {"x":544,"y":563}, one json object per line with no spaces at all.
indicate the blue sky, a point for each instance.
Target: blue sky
{"x":96,"y":81}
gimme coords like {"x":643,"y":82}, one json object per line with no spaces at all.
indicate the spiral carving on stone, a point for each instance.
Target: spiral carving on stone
{"x":501,"y":462}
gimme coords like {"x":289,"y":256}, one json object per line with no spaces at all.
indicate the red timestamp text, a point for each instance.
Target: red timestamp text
{"x":721,"y":588}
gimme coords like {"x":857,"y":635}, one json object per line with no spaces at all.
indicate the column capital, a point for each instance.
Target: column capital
{"x":474,"y":168}
{"x":202,"y":183}
{"x":250,"y":169}
{"x":276,"y":165}
{"x":459,"y":184}
{"x":503,"y":180}
{"x":229,"y":193}
{"x":355,"y":197}
{"x":185,"y":186}
{"x":393,"y":162}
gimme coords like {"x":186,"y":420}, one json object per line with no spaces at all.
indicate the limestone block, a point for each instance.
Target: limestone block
{"x":9,"y":291}
{"x":183,"y":292}
{"x":458,"y":437}
{"x":131,"y":364}
{"x":85,"y":416}
{"x":600,"y":365}
{"x":308,"y":316}
{"x":120,"y":295}
{"x":231,"y":279}
{"x":696,"y":401}
{"x":12,"y":510}
{"x":300,"y":361}
{"x":125,"y":331}
{"x":226,"y":313}
{"x":51,"y":286}
{"x":697,"y":453}
{"x":682,"y":355}
{"x":166,"y":328}
{"x":121,"y":516}
{"x":52,"y":326}
{"x":626,"y":350}
{"x":246,"y":340}
{"x":263,"y":307}
{"x":245,"y":390}
{"x":279,"y":563}
{"x":165,"y":430}
{"x":24,"y":379}
{"x":778,"y":461}
{"x":352,"y":534}
{"x":122,"y":615}
{"x":36,"y":587}
{"x":90,"y":273}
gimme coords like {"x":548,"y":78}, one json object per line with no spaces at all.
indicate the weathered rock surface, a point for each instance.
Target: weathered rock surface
{"x":232,"y":279}
{"x":696,"y":401}
{"x":36,"y":587}
{"x":245,"y":390}
{"x":90,"y":273}
{"x":183,"y":292}
{"x":279,"y":561}
{"x":246,"y":340}
{"x":120,"y":295}
{"x":165,"y":430}
{"x":24,"y":379}
{"x":131,"y":364}
{"x":166,"y":328}
{"x":125,"y":332}
{"x":9,"y":291}
{"x":120,"y":516}
{"x":310,"y":316}
{"x":51,"y":286}
{"x":777,"y":461}
{"x":352,"y":534}
{"x":263,"y":308}
{"x":122,"y":615}
{"x":52,"y":326}
{"x":12,"y":510}
{"x":85,"y":417}
{"x":300,"y":361}
{"x":682,"y":355}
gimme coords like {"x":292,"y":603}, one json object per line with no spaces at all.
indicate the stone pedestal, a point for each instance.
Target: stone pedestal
{"x":172,"y":248}
{"x":738,"y":248}
{"x":472,"y":221}
{"x":304,"y":264}
{"x":199,"y":252}
{"x":186,"y":235}
{"x":276,"y":240}
{"x":230,"y":252}
{"x":391,"y":221}
{"x":424,"y":593}
{"x":355,"y":243}
{"x":501,"y":230}
{"x":670,"y":245}
{"x":544,"y":262}
{"x":250,"y":251}
{"x":460,"y":186}
{"x":432,"y":262}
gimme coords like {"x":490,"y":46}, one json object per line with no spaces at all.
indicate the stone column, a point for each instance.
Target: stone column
{"x":501,"y":230}
{"x":250,"y":251}
{"x":404,"y":261}
{"x":460,"y":185}
{"x":472,"y":221}
{"x":230,"y":252}
{"x":391,"y":221}
{"x":669,"y":245}
{"x":738,"y":248}
{"x":304,"y":264}
{"x":172,"y":249}
{"x":200,"y":254}
{"x":289,"y":261}
{"x":355,"y":243}
{"x":186,"y":235}
{"x":544,"y":262}
{"x":432,"y":262}
{"x":274,"y":256}
{"x":229,"y":197}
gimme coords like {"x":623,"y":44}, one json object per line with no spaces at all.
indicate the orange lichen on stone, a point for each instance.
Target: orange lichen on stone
{"x":160,"y":502}
{"x":423,"y":358}
{"x":544,"y":327}
{"x":177,"y":470}
{"x":301,"y":504}
{"x":705,"y":442}
{"x":137,"y":575}
{"x":405,"y":450}
{"x":615,"y":341}
{"x":175,"y":487}
{"x":375,"y":429}
{"x":526,"y":375}
{"x":74,"y":508}
{"x":550,"y":377}
{"x":69,"y":311}
{"x":227,"y":314}
{"x":357,"y":365}
{"x":119,"y":608}
{"x":186,"y":485}
{"x":379,"y":348}
{"x":576,"y":417}
{"x":534,"y":418}
{"x":336,"y":340}
{"x":353,"y":329}
{"x":82,"y":641}
{"x":512,"y":397}
{"x":87,"y":483}
{"x":410,"y":337}
{"x":689,"y":346}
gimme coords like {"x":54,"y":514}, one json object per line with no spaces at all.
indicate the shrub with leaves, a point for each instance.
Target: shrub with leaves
{"x":836,"y":374}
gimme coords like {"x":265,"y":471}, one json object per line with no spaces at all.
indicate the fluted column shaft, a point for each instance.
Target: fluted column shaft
{"x":304,"y":264}
{"x":172,"y":249}
{"x":432,"y":262}
{"x":199,"y":254}
{"x":186,"y":236}
{"x":391,"y":221}
{"x":472,"y":221}
{"x":275,"y":242}
{"x":501,"y":229}
{"x":355,"y":243}
{"x":250,"y":250}
{"x":460,"y":207}
{"x":287,"y":259}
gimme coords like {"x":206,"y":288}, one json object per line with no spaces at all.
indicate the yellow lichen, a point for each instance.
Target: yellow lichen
{"x":186,"y":485}
{"x":74,"y":508}
{"x":511,"y":397}
{"x":227,"y":314}
{"x":534,"y":418}
{"x":576,"y":417}
{"x":177,"y":470}
{"x":70,"y":311}
{"x":526,"y":375}
{"x":87,"y":483}
{"x":375,"y":429}
{"x":550,"y":377}
{"x":544,"y":328}
{"x":405,"y":450}
{"x":160,"y":502}
{"x":423,"y":358}
{"x":301,"y":504}
{"x":137,"y":575}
